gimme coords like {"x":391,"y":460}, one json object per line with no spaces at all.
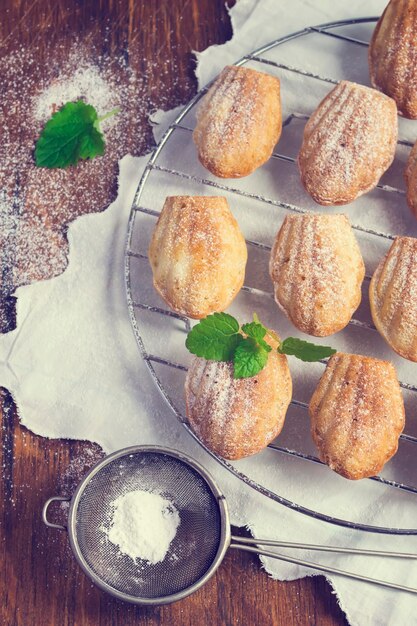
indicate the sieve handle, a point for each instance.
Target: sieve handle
{"x":323,"y":568}
{"x":320,"y":548}
{"x":45,"y":511}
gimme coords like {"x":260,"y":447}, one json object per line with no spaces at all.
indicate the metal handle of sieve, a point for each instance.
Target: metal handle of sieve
{"x":323,"y":568}
{"x":45,"y":511}
{"x":236,"y":541}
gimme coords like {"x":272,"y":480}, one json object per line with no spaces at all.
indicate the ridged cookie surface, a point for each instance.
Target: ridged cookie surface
{"x":410,"y":175}
{"x":393,"y":297}
{"x":393,"y":55}
{"x":357,"y":415}
{"x":237,"y":418}
{"x":317,"y":270}
{"x":197,"y":254}
{"x":349,"y":142}
{"x":239,"y":121}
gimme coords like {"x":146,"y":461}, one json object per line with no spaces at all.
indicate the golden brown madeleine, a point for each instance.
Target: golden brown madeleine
{"x":237,"y":417}
{"x":410,"y":175}
{"x":198,"y":255}
{"x":349,"y":142}
{"x":393,"y":297}
{"x":393,"y":55}
{"x":357,"y":415}
{"x":317,"y":270}
{"x":239,"y":121}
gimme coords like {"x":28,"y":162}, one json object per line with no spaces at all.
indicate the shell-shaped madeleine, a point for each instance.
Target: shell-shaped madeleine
{"x":393,"y":55}
{"x":198,"y":255}
{"x":237,"y":417}
{"x":349,"y":142}
{"x":393,"y":297}
{"x":317,"y":270}
{"x":410,"y":175}
{"x":357,"y":415}
{"x":239,"y":121}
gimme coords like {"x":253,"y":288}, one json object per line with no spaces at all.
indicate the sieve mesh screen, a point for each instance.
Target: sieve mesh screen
{"x":194,"y":547}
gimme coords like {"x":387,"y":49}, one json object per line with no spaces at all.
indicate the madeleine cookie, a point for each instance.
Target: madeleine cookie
{"x":393,"y":297}
{"x":357,"y":415}
{"x":237,"y":417}
{"x":239,"y":121}
{"x":410,"y":175}
{"x":349,"y":142}
{"x":393,"y":55}
{"x":197,"y":254}
{"x":317,"y":270}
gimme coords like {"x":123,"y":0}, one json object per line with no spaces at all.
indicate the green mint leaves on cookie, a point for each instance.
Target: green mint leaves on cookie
{"x":249,"y":358}
{"x":219,"y":337}
{"x":304,"y":350}
{"x":215,"y":337}
{"x":71,"y":134}
{"x":257,"y":331}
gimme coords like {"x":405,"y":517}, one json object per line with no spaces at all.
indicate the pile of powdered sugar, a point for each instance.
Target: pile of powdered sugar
{"x":143,"y":525}
{"x":86,"y":83}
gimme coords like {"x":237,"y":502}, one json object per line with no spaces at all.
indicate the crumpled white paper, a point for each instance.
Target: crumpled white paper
{"x":74,"y":369}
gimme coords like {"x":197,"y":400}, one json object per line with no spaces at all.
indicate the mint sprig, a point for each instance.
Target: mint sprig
{"x":215,"y":337}
{"x":71,"y":134}
{"x":219,"y":337}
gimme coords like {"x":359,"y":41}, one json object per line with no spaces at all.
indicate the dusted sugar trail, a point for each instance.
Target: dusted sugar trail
{"x":143,"y":525}
{"x":37,"y":204}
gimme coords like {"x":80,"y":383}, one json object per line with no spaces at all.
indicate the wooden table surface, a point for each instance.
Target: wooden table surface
{"x":40,"y":584}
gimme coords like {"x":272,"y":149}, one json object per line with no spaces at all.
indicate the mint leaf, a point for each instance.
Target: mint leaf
{"x":304,"y":350}
{"x":73,"y":133}
{"x":257,"y":331}
{"x":215,"y":337}
{"x":249,"y":358}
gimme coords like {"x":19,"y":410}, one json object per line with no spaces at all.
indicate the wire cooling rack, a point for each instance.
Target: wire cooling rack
{"x":173,"y":169}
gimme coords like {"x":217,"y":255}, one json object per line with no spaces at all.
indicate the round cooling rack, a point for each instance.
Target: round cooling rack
{"x":307,"y":63}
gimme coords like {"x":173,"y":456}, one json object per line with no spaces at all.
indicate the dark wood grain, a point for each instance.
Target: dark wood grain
{"x":40,"y":584}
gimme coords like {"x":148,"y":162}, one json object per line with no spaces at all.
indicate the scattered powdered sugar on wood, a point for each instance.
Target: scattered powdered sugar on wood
{"x":86,"y":83}
{"x":78,"y":467}
{"x":36,"y":204}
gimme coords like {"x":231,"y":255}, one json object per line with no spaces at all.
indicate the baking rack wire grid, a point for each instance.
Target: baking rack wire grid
{"x":132,"y":276}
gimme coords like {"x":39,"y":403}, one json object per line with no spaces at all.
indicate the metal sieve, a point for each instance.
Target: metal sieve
{"x":202,"y":538}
